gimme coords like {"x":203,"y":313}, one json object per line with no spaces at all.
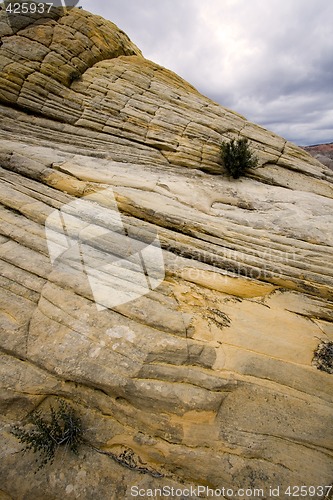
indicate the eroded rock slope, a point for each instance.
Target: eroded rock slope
{"x":207,"y":379}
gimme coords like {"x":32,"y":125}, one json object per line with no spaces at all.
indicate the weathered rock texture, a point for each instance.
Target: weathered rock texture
{"x":208,"y":379}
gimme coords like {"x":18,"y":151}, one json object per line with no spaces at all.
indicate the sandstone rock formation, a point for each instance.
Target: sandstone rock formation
{"x":207,"y":379}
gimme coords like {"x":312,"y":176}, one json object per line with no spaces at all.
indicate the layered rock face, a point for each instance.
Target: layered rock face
{"x":176,"y":309}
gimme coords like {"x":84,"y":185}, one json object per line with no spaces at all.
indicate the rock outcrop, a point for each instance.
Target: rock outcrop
{"x":208,"y":379}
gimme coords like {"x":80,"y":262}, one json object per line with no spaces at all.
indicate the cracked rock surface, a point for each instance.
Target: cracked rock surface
{"x":208,"y":378}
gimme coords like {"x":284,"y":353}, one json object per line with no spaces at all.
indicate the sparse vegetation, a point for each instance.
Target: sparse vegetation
{"x":323,"y":356}
{"x":237,"y":157}
{"x":44,"y":434}
{"x":62,"y":427}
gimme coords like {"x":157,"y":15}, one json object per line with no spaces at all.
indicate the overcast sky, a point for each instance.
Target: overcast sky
{"x":271,"y":61}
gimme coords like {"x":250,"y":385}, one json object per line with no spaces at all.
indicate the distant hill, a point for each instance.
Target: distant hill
{"x":322,"y":152}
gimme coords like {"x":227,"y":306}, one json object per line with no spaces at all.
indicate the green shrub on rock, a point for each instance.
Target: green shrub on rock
{"x":237,"y":157}
{"x":323,"y":356}
{"x":46,"y":434}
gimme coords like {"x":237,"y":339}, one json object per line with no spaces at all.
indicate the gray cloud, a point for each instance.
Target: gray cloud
{"x":271,"y":61}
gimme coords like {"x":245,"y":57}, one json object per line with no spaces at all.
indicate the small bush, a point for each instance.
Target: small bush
{"x":61,"y":428}
{"x":323,"y":356}
{"x":237,"y":157}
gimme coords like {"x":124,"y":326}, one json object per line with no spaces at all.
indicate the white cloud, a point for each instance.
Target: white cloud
{"x":271,"y":61}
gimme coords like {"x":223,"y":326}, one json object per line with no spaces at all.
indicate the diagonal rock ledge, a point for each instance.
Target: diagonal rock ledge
{"x":208,"y":378}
